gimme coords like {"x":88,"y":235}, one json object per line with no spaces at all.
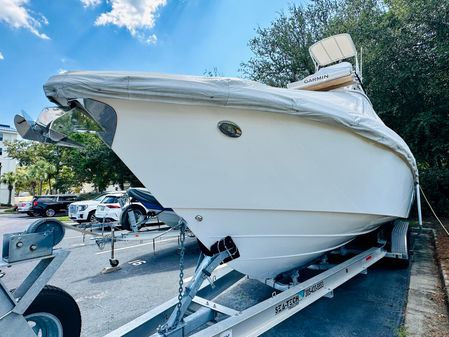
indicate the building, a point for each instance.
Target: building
{"x":7,"y":133}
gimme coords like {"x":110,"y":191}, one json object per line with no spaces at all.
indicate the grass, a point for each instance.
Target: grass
{"x":9,"y":210}
{"x":402,"y":331}
{"x":63,"y":218}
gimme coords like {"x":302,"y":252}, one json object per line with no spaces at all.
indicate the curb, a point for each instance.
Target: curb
{"x":443,"y":264}
{"x":426,"y":313}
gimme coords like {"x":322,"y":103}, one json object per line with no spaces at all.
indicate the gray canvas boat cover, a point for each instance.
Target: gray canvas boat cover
{"x":349,"y":109}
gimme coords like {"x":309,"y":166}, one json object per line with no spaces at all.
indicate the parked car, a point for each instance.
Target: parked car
{"x":24,"y":207}
{"x":109,"y":208}
{"x":84,"y":211}
{"x":22,"y":197}
{"x":50,"y":205}
{"x":142,"y":202}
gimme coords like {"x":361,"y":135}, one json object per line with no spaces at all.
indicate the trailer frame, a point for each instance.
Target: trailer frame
{"x":195,"y":312}
{"x":211,"y":319}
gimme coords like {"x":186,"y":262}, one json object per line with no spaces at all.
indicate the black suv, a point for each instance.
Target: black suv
{"x":49,"y":205}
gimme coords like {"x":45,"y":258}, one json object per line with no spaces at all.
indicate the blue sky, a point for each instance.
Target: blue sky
{"x":39,"y":38}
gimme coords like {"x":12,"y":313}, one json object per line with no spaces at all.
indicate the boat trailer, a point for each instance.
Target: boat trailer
{"x":101,"y":237}
{"x":196,"y":311}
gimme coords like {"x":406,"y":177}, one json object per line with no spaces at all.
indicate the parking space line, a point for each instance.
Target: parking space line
{"x":79,"y":245}
{"x":73,"y":237}
{"x":135,"y":246}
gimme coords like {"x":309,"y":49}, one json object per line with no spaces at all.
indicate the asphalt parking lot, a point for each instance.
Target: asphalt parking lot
{"x":368,"y":305}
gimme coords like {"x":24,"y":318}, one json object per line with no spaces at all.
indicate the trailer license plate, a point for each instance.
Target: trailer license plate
{"x":287,"y":304}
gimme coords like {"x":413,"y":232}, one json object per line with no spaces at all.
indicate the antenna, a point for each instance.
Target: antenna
{"x":361,"y":64}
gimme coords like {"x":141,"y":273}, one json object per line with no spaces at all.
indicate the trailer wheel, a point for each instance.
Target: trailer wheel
{"x":113,"y":262}
{"x":54,"y":313}
{"x":44,"y":225}
{"x":139,"y":213}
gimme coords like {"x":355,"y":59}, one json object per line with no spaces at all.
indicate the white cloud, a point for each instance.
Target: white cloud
{"x":138,"y":16}
{"x":152,"y":39}
{"x":90,"y":3}
{"x":1,"y":56}
{"x":15,"y":14}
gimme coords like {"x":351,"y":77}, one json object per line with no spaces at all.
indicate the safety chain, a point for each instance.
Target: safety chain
{"x":182,"y":238}
{"x":164,"y":329}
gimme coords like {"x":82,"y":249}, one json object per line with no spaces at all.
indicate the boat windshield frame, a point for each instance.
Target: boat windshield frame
{"x":97,"y":117}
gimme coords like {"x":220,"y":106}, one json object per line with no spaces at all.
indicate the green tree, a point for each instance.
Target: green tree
{"x":30,"y":154}
{"x":62,"y":168}
{"x":23,"y":182}
{"x":9,"y":178}
{"x":41,"y":171}
{"x":281,"y":51}
{"x":92,"y":163}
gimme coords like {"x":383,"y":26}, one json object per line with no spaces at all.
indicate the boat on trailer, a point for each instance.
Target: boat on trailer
{"x":288,"y":173}
{"x":268,"y":179}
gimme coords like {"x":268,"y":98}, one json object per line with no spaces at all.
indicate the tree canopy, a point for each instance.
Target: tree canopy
{"x":61,"y":169}
{"x":405,"y":51}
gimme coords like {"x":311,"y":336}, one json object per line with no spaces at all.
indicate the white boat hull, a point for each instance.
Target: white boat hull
{"x":271,"y":242}
{"x":287,"y":190}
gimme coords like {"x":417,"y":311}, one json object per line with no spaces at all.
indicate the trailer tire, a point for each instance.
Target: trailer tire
{"x":113,"y":262}
{"x":91,"y":216}
{"x":55,"y":310}
{"x":124,"y":219}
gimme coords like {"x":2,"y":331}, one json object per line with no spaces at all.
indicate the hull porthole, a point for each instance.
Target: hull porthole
{"x":229,"y":129}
